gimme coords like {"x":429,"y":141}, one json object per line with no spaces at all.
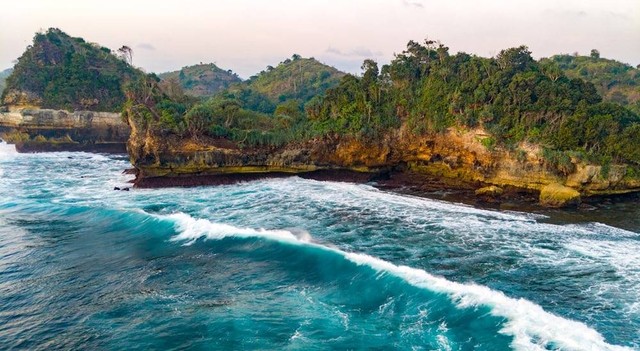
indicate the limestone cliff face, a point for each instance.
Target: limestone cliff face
{"x":79,"y":128}
{"x":457,"y":156}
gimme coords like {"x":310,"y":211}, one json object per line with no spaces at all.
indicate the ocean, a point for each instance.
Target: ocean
{"x":297,"y":264}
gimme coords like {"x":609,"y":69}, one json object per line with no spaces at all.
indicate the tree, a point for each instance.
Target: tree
{"x":370,"y":71}
{"x":198,"y":119}
{"x":551,"y":70}
{"x":515,"y":58}
{"x":229,"y":109}
{"x":172,"y":88}
{"x":595,"y":54}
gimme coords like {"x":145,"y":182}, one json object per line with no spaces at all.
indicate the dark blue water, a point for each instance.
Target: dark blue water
{"x":295,"y":264}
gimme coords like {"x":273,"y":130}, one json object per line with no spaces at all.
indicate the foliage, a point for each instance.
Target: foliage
{"x":615,"y":81}
{"x":62,"y":72}
{"x":488,"y":143}
{"x":427,"y":90}
{"x":296,"y":78}
{"x":3,"y":78}
{"x":202,"y":80}
{"x":513,"y":96}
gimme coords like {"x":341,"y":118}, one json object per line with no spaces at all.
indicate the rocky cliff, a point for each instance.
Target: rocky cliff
{"x":457,"y":158}
{"x":35,"y":130}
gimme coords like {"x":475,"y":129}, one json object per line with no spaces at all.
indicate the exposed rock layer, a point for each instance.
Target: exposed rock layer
{"x":455,"y":159}
{"x":82,"y":130}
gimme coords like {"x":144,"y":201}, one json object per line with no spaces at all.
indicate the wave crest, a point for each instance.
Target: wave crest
{"x":531,"y":327}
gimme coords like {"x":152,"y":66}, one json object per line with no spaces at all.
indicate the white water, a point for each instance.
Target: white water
{"x":531,"y":326}
{"x":370,"y":214}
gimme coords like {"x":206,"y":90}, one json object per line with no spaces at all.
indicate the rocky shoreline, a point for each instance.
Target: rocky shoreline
{"x":232,"y":178}
{"x":413,"y":184}
{"x":456,"y":159}
{"x":44,"y":130}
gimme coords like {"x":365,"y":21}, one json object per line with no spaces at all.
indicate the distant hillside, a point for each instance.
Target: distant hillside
{"x":615,"y":81}
{"x":202,"y":80}
{"x":293,"y":82}
{"x":61,"y":72}
{"x":295,"y":78}
{"x":3,"y":77}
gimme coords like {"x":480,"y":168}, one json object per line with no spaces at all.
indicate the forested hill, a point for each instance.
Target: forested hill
{"x":202,"y":80}
{"x":3,"y":78}
{"x":295,"y":78}
{"x":424,"y":90}
{"x":615,"y":81}
{"x":61,"y":72}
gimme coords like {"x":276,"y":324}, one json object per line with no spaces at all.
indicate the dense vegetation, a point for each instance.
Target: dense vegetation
{"x":266,"y":109}
{"x":296,"y":78}
{"x":426,"y":90}
{"x":58,"y":71}
{"x":3,"y":77}
{"x":202,"y":80}
{"x":615,"y":81}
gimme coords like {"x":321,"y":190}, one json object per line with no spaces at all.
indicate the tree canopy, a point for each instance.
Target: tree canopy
{"x":425,"y":89}
{"x":62,"y":72}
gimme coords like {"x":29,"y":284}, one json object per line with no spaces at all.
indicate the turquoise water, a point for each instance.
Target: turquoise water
{"x":294,"y":264}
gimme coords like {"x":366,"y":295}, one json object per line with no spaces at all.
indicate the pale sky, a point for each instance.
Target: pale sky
{"x":248,"y":35}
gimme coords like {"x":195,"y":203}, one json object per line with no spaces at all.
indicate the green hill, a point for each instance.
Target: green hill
{"x":295,"y":78}
{"x":3,"y":78}
{"x":61,"y":72}
{"x":274,"y":98}
{"x":202,"y":80}
{"x":293,"y":83}
{"x":615,"y":81}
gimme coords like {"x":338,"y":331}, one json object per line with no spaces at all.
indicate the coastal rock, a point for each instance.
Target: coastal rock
{"x":557,"y":195}
{"x":453,"y":159}
{"x":489,"y":191}
{"x":42,"y":130}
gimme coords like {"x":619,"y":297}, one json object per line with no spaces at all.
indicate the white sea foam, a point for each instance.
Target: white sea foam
{"x":6,"y":151}
{"x":531,"y":327}
{"x":356,"y":195}
{"x":192,"y":229}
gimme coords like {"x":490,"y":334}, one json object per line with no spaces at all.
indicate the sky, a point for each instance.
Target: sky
{"x":247,"y":35}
